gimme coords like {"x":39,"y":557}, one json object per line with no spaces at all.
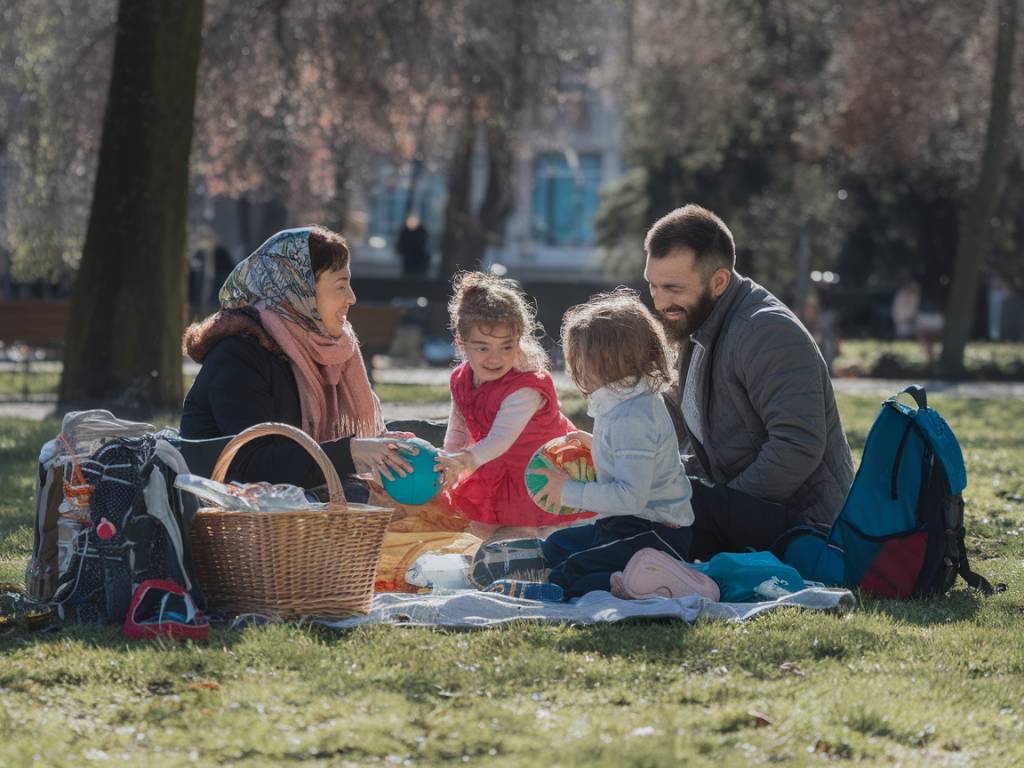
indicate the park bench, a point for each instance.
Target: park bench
{"x":36,"y":325}
{"x":376,"y":326}
{"x":34,"y":322}
{"x":39,"y":324}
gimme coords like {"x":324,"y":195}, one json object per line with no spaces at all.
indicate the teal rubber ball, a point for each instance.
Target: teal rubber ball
{"x":420,"y":485}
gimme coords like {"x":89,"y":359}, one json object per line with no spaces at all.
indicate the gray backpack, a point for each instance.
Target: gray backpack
{"x":129,"y":523}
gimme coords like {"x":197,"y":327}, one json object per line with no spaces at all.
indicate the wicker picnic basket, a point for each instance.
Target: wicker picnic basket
{"x":307,"y":562}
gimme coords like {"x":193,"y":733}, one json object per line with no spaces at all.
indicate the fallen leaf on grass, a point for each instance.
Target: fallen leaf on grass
{"x":760,"y":719}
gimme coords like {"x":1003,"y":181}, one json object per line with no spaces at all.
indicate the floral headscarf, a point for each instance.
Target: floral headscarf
{"x":334,"y":390}
{"x":277,"y":276}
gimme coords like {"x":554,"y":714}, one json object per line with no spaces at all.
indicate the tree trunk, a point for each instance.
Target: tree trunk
{"x":338,"y":216}
{"x":974,"y":235}
{"x":498,"y":196}
{"x":127,"y":313}
{"x":245,"y":223}
{"x":468,"y":232}
{"x":419,"y":152}
{"x":414,"y":180}
{"x":461,"y":233}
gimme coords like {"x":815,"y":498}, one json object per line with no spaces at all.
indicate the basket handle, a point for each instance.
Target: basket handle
{"x":313,"y":448}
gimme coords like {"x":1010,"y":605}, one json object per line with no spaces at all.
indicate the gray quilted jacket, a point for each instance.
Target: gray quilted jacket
{"x":770,"y":423}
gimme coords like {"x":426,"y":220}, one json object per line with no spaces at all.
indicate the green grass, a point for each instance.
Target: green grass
{"x":881,"y":359}
{"x":34,"y":382}
{"x":933,"y":682}
{"x":46,"y":382}
{"x":983,"y":361}
{"x":411,"y":393}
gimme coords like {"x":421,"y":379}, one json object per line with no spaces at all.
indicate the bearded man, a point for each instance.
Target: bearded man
{"x":754,"y":408}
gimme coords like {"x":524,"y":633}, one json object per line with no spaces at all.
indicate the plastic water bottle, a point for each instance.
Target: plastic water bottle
{"x":68,"y":530}
{"x":440,"y":571}
{"x":73,"y":515}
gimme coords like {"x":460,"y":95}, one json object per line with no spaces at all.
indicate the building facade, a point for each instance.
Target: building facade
{"x":567,"y":150}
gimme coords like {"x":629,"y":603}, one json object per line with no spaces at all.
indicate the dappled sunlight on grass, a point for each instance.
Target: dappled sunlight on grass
{"x":929,"y":682}
{"x":884,"y":358}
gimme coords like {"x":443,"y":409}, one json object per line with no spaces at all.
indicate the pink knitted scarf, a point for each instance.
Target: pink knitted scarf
{"x":334,"y":390}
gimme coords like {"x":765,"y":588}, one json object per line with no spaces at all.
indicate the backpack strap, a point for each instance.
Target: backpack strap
{"x":975,"y":580}
{"x":155,"y":493}
{"x":820,"y":531}
{"x":917,"y":392}
{"x":894,"y":490}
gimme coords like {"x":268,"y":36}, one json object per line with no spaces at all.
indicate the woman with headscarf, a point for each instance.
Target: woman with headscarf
{"x":282,"y":349}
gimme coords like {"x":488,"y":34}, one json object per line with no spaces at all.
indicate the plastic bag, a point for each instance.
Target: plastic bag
{"x":248,"y":497}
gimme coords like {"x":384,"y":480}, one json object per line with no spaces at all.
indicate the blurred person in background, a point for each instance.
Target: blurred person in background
{"x":412,"y":248}
{"x":905,"y":303}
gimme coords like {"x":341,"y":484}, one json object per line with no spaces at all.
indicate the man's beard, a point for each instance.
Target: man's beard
{"x":692,"y":319}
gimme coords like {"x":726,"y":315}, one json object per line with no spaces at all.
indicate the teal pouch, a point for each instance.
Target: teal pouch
{"x":745,"y":577}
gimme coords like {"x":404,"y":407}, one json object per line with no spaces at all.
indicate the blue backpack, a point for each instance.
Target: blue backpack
{"x":901,"y":530}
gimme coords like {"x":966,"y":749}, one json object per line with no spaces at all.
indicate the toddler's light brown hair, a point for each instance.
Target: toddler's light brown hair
{"x":614,"y":338}
{"x":482,"y":300}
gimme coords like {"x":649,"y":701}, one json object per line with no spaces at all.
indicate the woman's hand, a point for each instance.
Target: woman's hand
{"x":454,"y":466}
{"x":381,"y":456}
{"x":549,"y":497}
{"x":585,"y":438}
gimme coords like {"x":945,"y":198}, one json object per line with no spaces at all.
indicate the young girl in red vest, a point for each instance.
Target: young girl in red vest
{"x":504,"y":407}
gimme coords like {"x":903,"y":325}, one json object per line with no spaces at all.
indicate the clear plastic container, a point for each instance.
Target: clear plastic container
{"x":440,"y":571}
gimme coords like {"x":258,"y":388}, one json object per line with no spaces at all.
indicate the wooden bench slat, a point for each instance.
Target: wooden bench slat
{"x":34,"y":322}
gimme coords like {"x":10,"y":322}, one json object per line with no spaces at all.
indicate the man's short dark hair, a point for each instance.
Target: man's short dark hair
{"x":698,"y":229}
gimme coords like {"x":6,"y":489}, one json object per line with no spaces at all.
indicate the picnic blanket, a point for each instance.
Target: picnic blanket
{"x":469,"y":609}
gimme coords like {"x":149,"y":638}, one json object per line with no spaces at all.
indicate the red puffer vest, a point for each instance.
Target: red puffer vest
{"x":496,"y":492}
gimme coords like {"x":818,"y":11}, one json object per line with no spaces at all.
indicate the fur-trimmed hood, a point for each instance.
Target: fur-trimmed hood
{"x":203,"y":336}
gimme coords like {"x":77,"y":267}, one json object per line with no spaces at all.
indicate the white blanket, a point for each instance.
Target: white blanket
{"x":468,"y":609}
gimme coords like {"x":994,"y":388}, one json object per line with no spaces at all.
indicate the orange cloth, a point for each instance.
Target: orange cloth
{"x":430,"y":527}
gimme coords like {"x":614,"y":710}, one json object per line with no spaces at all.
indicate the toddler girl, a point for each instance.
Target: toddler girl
{"x":615,"y":352}
{"x":504,"y":406}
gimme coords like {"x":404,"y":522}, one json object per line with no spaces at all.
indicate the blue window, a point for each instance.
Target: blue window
{"x":565,"y":197}
{"x":388,"y":200}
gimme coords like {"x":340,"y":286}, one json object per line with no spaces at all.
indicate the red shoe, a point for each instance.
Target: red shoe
{"x":653,"y":573}
{"x":163,"y":609}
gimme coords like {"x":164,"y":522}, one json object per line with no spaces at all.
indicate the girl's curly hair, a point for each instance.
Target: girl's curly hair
{"x":614,"y":338}
{"x":482,"y":300}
